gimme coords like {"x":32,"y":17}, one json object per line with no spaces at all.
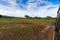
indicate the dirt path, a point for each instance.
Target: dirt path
{"x":47,"y":33}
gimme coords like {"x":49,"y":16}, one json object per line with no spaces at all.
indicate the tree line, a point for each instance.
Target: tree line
{"x":27,"y":16}
{"x":48,"y":17}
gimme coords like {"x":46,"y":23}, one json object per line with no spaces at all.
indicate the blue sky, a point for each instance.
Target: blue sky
{"x":19,"y":8}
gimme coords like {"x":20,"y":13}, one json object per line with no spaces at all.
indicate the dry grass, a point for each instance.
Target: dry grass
{"x":24,"y":29}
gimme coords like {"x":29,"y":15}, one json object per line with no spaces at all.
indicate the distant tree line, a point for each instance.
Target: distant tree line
{"x":1,"y":16}
{"x":26,"y":16}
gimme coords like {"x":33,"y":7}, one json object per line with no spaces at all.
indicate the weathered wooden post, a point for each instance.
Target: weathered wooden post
{"x":57,"y":26}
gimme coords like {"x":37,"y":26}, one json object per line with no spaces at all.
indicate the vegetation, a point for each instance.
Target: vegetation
{"x":26,"y":16}
{"x":27,"y":28}
{"x":48,"y":17}
{"x":0,"y":16}
{"x":24,"y":29}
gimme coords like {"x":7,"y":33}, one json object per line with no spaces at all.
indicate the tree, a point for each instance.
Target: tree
{"x":26,"y":16}
{"x":48,"y":17}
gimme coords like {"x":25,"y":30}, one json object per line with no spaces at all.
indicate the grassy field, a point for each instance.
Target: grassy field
{"x":24,"y":29}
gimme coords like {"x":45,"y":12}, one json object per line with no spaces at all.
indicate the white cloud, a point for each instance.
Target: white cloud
{"x":43,"y":11}
{"x":49,"y":12}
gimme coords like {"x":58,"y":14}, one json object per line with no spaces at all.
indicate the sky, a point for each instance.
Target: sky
{"x":20,"y":8}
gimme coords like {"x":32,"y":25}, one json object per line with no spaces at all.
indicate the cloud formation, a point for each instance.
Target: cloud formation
{"x":19,"y":8}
